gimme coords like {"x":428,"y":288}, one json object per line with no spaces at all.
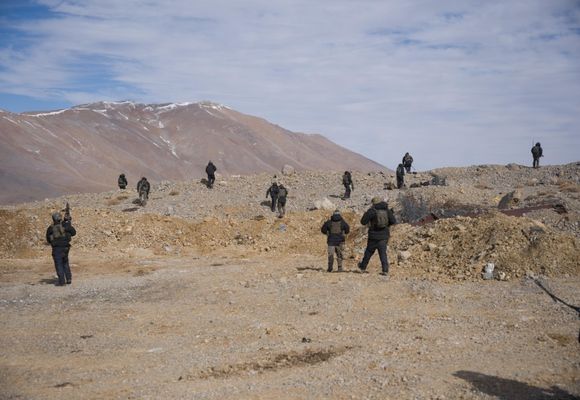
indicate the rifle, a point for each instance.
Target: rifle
{"x":67,"y":216}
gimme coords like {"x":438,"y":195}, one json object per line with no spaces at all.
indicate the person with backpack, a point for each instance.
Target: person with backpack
{"x":400,"y":176}
{"x":537,"y":152}
{"x":210,"y":171}
{"x":143,"y":188}
{"x":407,"y":162}
{"x":335,"y":230}
{"x":59,"y":235}
{"x":282,"y":194}
{"x":122,"y":181}
{"x":347,"y":182}
{"x":273,"y":193}
{"x":378,"y":218}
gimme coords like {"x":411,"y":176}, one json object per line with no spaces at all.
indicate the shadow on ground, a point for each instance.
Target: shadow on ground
{"x":508,"y":389}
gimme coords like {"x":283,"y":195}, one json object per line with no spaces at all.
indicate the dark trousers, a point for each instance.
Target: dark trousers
{"x":210,"y":180}
{"x":372,"y":245}
{"x":346,"y":191}
{"x":400,"y":182}
{"x":408,"y":168}
{"x":122,"y":186}
{"x":60,"y":257}
{"x":536,"y":163}
{"x":274,"y":202}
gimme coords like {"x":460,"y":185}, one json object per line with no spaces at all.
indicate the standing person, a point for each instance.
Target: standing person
{"x":378,"y":218}
{"x":282,"y":193}
{"x":122,"y":181}
{"x":210,"y":171}
{"x":273,"y":193}
{"x":537,"y":152}
{"x":143,"y":188}
{"x":335,"y":230}
{"x":59,"y":235}
{"x":407,"y":162}
{"x":347,"y":182}
{"x":400,"y":176}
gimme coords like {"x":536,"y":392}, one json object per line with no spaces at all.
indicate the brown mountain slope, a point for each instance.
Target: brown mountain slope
{"x":84,"y":148}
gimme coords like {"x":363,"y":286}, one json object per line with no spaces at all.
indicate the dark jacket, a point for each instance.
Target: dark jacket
{"x":143,"y":185}
{"x":407,"y":160}
{"x":537,"y":151}
{"x":400,"y":172}
{"x":64,"y":240}
{"x":273,"y":191}
{"x":334,"y":239}
{"x":210,"y":169}
{"x":347,"y":180}
{"x":370,"y":218}
{"x":122,"y":180}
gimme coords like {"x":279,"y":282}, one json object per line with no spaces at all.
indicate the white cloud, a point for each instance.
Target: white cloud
{"x":453,"y":82}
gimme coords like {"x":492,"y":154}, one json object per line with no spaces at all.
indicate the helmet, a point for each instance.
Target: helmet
{"x":56,"y":217}
{"x":376,"y":200}
{"x":538,"y":144}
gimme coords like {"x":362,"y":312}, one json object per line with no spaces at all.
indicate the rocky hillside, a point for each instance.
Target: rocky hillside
{"x":84,"y":148}
{"x":538,"y":232}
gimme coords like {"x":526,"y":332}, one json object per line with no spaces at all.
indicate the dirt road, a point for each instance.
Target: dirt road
{"x":229,"y":327}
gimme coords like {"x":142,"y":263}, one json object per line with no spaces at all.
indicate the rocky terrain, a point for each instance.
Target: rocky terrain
{"x":84,"y":148}
{"x":207,"y":294}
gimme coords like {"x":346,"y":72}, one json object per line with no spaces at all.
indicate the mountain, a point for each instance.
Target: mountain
{"x":86,"y":147}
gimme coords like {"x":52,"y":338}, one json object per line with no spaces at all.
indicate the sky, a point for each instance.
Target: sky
{"x":453,"y":82}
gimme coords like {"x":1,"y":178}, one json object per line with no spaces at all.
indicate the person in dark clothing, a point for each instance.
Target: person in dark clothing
{"x":210,"y":171}
{"x":282,"y":194}
{"x":537,"y":152}
{"x":59,"y":235}
{"x":378,"y":218}
{"x":407,"y":162}
{"x":347,"y":182}
{"x":143,"y":188}
{"x":122,"y":181}
{"x":273,"y":193}
{"x":335,"y":230}
{"x":400,"y":176}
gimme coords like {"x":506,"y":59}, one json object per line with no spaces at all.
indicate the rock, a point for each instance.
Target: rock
{"x":510,"y":200}
{"x":324,"y":204}
{"x":169,"y":211}
{"x":288,"y":170}
{"x":403,"y":255}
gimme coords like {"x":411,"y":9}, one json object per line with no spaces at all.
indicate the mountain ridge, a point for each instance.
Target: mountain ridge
{"x":84,"y":148}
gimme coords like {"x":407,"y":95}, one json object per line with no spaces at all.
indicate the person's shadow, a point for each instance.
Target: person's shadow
{"x":48,"y":281}
{"x":508,"y":389}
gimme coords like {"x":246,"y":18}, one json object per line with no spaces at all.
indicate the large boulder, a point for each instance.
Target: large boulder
{"x":324,"y":204}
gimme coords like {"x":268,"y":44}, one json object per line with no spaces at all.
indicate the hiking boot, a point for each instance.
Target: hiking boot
{"x":340,"y":269}
{"x":329,"y":269}
{"x":68,"y":282}
{"x":385,"y":274}
{"x":360,"y":267}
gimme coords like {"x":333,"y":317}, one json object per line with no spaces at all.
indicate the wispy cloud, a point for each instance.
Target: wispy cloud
{"x":453,"y":82}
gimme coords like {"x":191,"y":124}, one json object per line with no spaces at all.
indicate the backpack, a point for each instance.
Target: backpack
{"x":335,"y":227}
{"x":282,"y":192}
{"x":57,"y":232}
{"x":382,"y":219}
{"x":536,"y":151}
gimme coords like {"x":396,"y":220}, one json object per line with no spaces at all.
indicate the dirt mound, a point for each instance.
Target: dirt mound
{"x":454,"y":248}
{"x":459,"y":248}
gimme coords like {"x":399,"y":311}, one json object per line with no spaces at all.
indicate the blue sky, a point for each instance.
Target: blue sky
{"x":452,"y":82}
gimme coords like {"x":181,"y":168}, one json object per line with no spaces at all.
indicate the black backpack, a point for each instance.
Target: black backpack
{"x":335,"y":227}
{"x":282,"y":192}
{"x":382,"y":220}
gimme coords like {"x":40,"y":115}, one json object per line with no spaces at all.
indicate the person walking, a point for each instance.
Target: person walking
{"x":335,"y":230}
{"x":122,"y":181}
{"x":378,"y":218}
{"x":407,"y":162}
{"x":59,"y":235}
{"x":282,"y":194}
{"x":210,"y":170}
{"x":400,"y":176}
{"x":537,"y":152}
{"x":273,"y":193}
{"x":348,"y":185}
